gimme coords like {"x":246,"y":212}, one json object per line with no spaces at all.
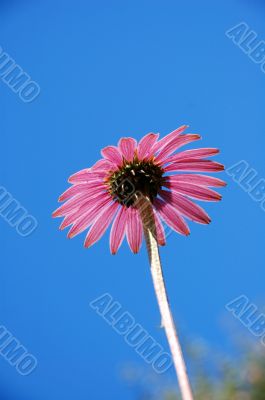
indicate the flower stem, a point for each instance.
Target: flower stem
{"x":147,"y":216}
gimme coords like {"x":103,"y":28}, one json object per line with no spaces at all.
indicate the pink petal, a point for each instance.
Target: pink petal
{"x":186,"y":207}
{"x":160,"y":233}
{"x":112,"y":154}
{"x":74,"y":216}
{"x":175,"y":144}
{"x":100,"y":225}
{"x":87,"y":219}
{"x":134,"y":230}
{"x":69,"y":219}
{"x":103,"y":165}
{"x":171,"y":217}
{"x":78,"y":212}
{"x":118,"y":230}
{"x":195,"y":153}
{"x":127,"y":148}
{"x":202,"y":180}
{"x":80,"y":176}
{"x":80,"y":188}
{"x":70,"y":205}
{"x":195,"y":191}
{"x":146,"y":145}
{"x":193,"y":164}
{"x":168,"y":138}
{"x":78,"y":200}
{"x":88,"y":174}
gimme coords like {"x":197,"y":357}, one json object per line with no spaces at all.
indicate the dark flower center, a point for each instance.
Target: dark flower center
{"x":134,"y":179}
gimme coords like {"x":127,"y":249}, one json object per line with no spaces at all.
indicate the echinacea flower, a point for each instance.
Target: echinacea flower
{"x":137,"y":186}
{"x":108,"y":191}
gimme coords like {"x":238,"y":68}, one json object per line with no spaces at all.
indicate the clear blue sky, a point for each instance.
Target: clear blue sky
{"x":108,"y":69}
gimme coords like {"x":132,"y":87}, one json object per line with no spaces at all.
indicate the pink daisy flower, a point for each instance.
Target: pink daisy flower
{"x":107,"y":192}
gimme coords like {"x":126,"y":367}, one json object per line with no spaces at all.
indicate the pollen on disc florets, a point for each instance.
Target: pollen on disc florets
{"x":133,"y":179}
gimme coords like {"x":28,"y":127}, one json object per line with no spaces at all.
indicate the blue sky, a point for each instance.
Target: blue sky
{"x":106,"y":70}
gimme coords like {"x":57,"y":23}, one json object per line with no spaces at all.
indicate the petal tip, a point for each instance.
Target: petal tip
{"x":187,"y":231}
{"x":61,"y":198}
{"x":88,"y":243}
{"x":223,"y":184}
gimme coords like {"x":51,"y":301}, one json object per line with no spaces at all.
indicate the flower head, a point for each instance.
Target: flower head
{"x":108,"y":192}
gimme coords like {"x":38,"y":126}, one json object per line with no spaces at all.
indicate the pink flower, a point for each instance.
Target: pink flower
{"x":108,"y":191}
